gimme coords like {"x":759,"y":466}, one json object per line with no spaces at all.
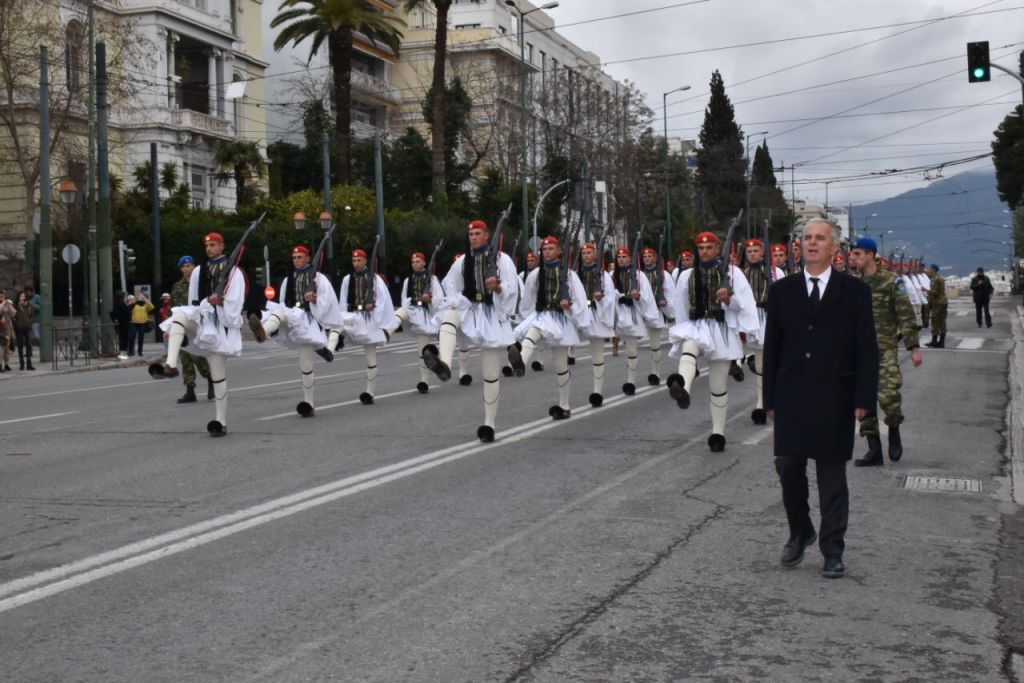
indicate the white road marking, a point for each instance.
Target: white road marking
{"x":140,"y":382}
{"x":37,"y":417}
{"x":293,"y":381}
{"x":330,"y":406}
{"x":758,"y":437}
{"x":962,"y":313}
{"x":971,"y":343}
{"x":53,"y":581}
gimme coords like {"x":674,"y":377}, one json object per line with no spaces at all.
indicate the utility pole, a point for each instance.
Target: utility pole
{"x":106,"y":266}
{"x":154,"y":209}
{"x":326,"y":153}
{"x":378,"y":182}
{"x":45,"y":231}
{"x":90,"y":190}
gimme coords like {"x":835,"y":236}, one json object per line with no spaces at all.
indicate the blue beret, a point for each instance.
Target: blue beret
{"x":183,"y":260}
{"x":865,"y":243}
{"x":935,"y":266}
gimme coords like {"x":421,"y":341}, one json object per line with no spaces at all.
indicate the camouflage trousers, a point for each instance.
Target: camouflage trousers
{"x":890,"y":381}
{"x":939,"y":318}
{"x":925,"y":314}
{"x":189,"y":365}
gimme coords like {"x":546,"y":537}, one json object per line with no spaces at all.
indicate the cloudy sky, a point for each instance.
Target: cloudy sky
{"x":889,"y":81}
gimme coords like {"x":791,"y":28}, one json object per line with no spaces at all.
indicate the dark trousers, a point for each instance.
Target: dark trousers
{"x":123,"y":330}
{"x":138,"y":332}
{"x":980,"y":306}
{"x":24,"y":341}
{"x":833,"y":500}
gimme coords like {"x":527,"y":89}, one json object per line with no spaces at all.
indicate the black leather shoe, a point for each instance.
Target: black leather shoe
{"x":325,"y":353}
{"x":895,"y":444}
{"x":833,"y":567}
{"x":366,"y":398}
{"x":422,"y":387}
{"x":629,"y":388}
{"x":653,"y":380}
{"x":432,"y":359}
{"x":736,"y":372}
{"x":558,"y":413}
{"x":515,"y":360}
{"x":305,"y":409}
{"x":466,"y":380}
{"x":793,"y":551}
{"x":759,"y":416}
{"x":677,"y":390}
{"x":716,"y":442}
{"x":485,"y":434}
{"x":596,"y":399}
{"x":873,"y":458}
{"x":537,"y":366}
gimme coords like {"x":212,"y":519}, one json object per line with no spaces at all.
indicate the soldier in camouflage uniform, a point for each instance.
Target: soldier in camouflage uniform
{"x":937,"y":304}
{"x":893,"y":315}
{"x":189,"y":363}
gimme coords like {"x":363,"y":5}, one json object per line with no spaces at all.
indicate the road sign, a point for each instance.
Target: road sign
{"x":70,"y":253}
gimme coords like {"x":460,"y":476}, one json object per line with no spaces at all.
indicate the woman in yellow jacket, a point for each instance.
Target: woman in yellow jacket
{"x":140,"y":309}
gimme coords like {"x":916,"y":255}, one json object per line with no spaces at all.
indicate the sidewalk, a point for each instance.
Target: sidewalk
{"x":151,"y":353}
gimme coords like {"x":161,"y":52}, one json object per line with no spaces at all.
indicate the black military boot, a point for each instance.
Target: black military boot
{"x":895,"y":444}
{"x":933,"y":342}
{"x":942,"y":341}
{"x":873,"y":457}
{"x":189,"y":397}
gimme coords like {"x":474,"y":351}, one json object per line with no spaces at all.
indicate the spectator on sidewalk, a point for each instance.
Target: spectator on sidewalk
{"x":36,"y":302}
{"x":981,"y":292}
{"x":121,"y":316}
{"x":7,"y":321}
{"x":141,"y":307}
{"x":24,"y":316}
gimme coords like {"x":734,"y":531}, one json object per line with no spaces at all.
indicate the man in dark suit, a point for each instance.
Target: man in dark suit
{"x":820,"y":372}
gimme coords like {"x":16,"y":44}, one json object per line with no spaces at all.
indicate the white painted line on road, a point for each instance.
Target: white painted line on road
{"x":758,"y":437}
{"x":329,"y":406}
{"x":36,"y":417}
{"x":53,"y":581}
{"x":293,"y":381}
{"x":971,"y":343}
{"x":962,"y":313}
{"x":140,"y":382}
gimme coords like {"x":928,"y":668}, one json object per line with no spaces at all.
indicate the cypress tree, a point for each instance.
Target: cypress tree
{"x":721,"y":168}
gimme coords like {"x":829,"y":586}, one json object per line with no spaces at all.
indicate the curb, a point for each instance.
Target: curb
{"x":80,"y":369}
{"x":1014,"y":417}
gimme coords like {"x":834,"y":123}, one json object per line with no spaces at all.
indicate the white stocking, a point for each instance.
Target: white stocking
{"x":597,"y":359}
{"x":333,"y":337}
{"x":371,"y":368}
{"x":218,"y":376}
{"x":758,"y":361}
{"x":631,"y":360}
{"x":530,"y":344}
{"x":180,"y":325}
{"x":401,"y":318}
{"x":464,"y":361}
{"x":561,"y":356}
{"x":306,"y":368}
{"x":490,"y":361}
{"x":273,"y":324}
{"x":718,"y":383}
{"x":654,"y":337}
{"x":446,"y":336}
{"x":688,"y":363}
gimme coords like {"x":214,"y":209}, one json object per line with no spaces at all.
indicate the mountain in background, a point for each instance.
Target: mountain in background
{"x":945,"y":222}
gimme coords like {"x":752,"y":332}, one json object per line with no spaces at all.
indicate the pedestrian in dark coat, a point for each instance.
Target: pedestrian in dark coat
{"x":981,"y":292}
{"x":820,"y":373}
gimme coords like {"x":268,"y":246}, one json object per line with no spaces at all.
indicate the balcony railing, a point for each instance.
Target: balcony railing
{"x":378,"y":87}
{"x":186,"y":118}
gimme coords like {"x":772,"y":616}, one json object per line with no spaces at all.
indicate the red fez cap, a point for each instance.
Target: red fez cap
{"x":622,"y":251}
{"x":707,"y":238}
{"x":587,"y":245}
{"x":648,"y":250}
{"x":687,"y":253}
{"x":778,"y":248}
{"x":477,"y":225}
{"x":419,"y":255}
{"x":214,"y":237}
{"x":838,"y":258}
{"x":531,"y":253}
{"x":754,"y":242}
{"x":884,"y":261}
{"x":300,"y":249}
{"x":549,"y":240}
{"x":358,"y":252}
{"x":796,"y":243}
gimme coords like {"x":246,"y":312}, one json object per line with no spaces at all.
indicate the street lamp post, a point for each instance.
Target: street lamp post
{"x":881,"y":240}
{"x":668,"y":181}
{"x":750,"y":177}
{"x":522,"y":105}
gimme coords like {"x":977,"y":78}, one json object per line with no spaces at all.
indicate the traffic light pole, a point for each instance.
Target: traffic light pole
{"x":1012,"y":73}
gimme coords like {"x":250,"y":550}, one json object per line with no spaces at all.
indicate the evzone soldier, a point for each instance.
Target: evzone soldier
{"x":189,"y":364}
{"x":913,"y":291}
{"x":532,"y":261}
{"x":685,"y":263}
{"x":663,"y":289}
{"x":553,"y":305}
{"x":480,"y":297}
{"x":779,"y":257}
{"x":712,"y":309}
{"x":922,"y":284}
{"x":798,"y":259}
{"x":635,"y":305}
{"x":462,"y":352}
{"x":306,"y":306}
{"x":601,"y":296}
{"x":839,"y":262}
{"x":760,"y":278}
{"x":212,"y":321}
{"x":421,"y":294}
{"x":367,"y":312}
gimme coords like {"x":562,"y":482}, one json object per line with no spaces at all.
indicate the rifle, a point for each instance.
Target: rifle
{"x":318,"y":262}
{"x":661,"y":267}
{"x":768,"y":260}
{"x":235,"y":257}
{"x":495,"y":247}
{"x":371,"y":265}
{"x":790,"y":264}
{"x":599,"y":285}
{"x":723,"y":261}
{"x":430,"y":270}
{"x":634,"y":282}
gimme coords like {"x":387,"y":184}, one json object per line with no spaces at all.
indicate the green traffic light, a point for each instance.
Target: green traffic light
{"x":979,"y":72}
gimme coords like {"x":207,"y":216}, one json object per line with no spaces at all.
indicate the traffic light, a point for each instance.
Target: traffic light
{"x":978,"y":67}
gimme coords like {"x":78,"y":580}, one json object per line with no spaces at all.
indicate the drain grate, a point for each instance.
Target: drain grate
{"x":953,"y":484}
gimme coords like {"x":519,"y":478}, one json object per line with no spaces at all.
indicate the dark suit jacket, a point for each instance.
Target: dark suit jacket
{"x":819,"y":365}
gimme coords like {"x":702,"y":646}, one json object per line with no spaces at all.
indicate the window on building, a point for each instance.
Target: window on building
{"x":529,"y":52}
{"x":459,"y":27}
{"x":236,"y":106}
{"x":74,"y":48}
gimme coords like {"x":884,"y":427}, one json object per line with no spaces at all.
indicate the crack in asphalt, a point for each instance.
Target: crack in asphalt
{"x":576,"y":628}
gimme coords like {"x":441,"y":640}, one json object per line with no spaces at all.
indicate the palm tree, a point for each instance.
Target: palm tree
{"x":240,"y":160}
{"x":336,"y":22}
{"x":437,"y":91}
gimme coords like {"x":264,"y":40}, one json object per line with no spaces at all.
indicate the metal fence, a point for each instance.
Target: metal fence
{"x":77,"y":344}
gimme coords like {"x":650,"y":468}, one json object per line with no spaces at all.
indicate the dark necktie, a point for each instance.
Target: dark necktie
{"x":815,"y":294}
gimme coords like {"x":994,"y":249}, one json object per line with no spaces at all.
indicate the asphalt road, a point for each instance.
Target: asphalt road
{"x":385,"y":543}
